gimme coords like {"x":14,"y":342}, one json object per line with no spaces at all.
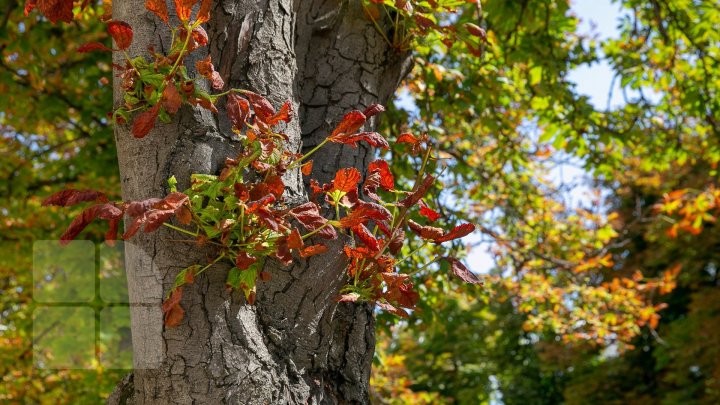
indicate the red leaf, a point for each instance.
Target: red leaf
{"x":253,"y":206}
{"x":238,"y":109}
{"x":184,"y":9}
{"x":93,"y":46}
{"x":295,"y":240}
{"x":285,"y":114}
{"x":397,"y":241}
{"x":350,"y":124}
{"x":205,"y":67}
{"x":306,"y":168}
{"x":366,"y":237}
{"x":184,"y":215}
{"x":425,"y":232}
{"x":199,"y":37}
{"x":54,"y":10}
{"x":137,"y":208}
{"x":309,"y":215}
{"x":159,"y":8}
{"x":419,"y":193}
{"x":428,"y":212}
{"x":111,"y":234}
{"x":373,"y":109}
{"x":243,"y":260}
{"x":153,"y":213}
{"x":171,"y":99}
{"x":282,"y":252}
{"x":457,"y":232}
{"x":365,"y":212}
{"x":461,"y":271}
{"x":372,"y":138}
{"x":275,"y":185}
{"x":29,"y":6}
{"x":393,"y":310}
{"x":66,"y":198}
{"x":475,"y":30}
{"x":204,"y":13}
{"x":122,"y":33}
{"x":346,"y":179}
{"x":145,"y":121}
{"x":263,"y":109}
{"x":387,"y":181}
{"x":313,"y":250}
{"x":104,"y":211}
{"x":407,"y":138}
{"x":174,"y":313}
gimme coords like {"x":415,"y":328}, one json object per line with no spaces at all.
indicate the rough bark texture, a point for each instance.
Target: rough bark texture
{"x":296,"y":344}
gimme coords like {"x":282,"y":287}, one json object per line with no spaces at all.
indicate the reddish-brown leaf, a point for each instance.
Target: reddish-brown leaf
{"x":184,"y":9}
{"x":29,"y":6}
{"x":428,"y":212}
{"x":145,"y":121}
{"x":275,"y":185}
{"x":282,"y":252}
{"x":171,"y":98}
{"x":419,"y":193}
{"x":313,"y":250}
{"x":243,"y":260}
{"x":346,"y":179}
{"x":392,"y":309}
{"x":397,"y":241}
{"x":238,"y":109}
{"x":104,"y":211}
{"x":285,"y":114}
{"x":93,"y":46}
{"x":54,"y":10}
{"x":184,"y":215}
{"x":372,"y":138}
{"x":366,"y":237}
{"x":407,"y":138}
{"x":457,"y":232}
{"x":306,"y":168}
{"x":159,"y":8}
{"x":373,"y":109}
{"x":308,"y":214}
{"x":253,"y":206}
{"x":111,"y":234}
{"x":199,"y":37}
{"x":461,"y":271}
{"x":66,"y":198}
{"x":204,"y":12}
{"x":387,"y":181}
{"x":426,"y":232}
{"x":174,"y":313}
{"x":350,"y":124}
{"x":475,"y":30}
{"x":365,"y":212}
{"x":262,"y":107}
{"x":295,"y":240}
{"x":205,"y":67}
{"x":122,"y":33}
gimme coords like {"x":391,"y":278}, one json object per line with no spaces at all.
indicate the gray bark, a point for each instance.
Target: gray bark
{"x":296,"y":344}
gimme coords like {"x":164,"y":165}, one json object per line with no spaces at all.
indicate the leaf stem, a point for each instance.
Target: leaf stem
{"x":185,"y":231}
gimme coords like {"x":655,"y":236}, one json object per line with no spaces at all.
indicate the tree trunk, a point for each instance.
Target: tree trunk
{"x":296,"y":344}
